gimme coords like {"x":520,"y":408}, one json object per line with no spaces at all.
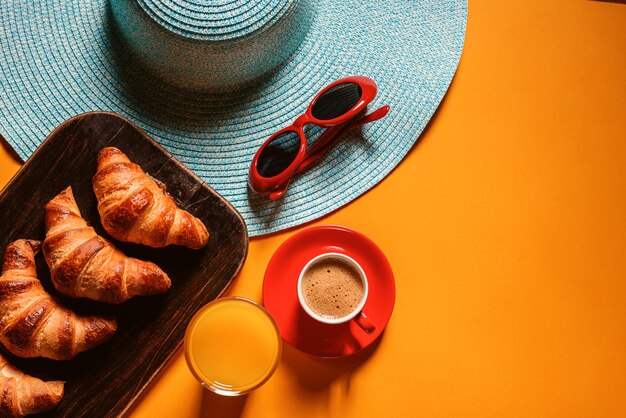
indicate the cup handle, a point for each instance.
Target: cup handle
{"x":364,"y":322}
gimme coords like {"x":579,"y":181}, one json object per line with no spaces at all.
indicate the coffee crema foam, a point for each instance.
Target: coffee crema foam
{"x":332,"y":288}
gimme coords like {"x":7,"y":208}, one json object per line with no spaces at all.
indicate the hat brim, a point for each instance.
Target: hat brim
{"x":61,"y":58}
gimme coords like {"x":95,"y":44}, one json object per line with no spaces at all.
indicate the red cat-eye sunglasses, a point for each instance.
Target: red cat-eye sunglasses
{"x":335,"y":107}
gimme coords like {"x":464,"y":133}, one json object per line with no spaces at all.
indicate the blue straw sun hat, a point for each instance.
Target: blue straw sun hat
{"x":212,"y":80}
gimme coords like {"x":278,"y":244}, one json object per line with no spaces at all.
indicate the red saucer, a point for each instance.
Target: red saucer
{"x":280,"y":296}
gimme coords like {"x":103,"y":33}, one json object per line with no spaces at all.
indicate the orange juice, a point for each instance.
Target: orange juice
{"x":232,"y":346}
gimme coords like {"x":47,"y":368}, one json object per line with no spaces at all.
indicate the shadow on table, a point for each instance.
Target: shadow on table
{"x":214,"y":405}
{"x":5,"y":144}
{"x":316,"y":374}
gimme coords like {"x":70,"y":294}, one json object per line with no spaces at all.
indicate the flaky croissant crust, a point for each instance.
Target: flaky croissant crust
{"x":33,"y":323}
{"x":22,"y":394}
{"x":133,"y":207}
{"x":84,"y":264}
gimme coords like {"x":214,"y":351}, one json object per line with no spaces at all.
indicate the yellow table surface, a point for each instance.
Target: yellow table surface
{"x":506,"y":229}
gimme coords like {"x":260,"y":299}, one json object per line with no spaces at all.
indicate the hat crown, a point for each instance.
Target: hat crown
{"x":216,"y":20}
{"x":215,"y":45}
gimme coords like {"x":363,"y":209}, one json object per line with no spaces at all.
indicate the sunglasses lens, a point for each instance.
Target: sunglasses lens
{"x":278,"y":154}
{"x":336,"y":101}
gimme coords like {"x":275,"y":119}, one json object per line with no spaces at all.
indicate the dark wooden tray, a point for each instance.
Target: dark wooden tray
{"x":106,"y":380}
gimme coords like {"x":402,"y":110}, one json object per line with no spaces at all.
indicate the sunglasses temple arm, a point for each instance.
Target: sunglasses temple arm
{"x":325,"y":139}
{"x":277,"y":194}
{"x":379,"y":113}
{"x":322,"y":142}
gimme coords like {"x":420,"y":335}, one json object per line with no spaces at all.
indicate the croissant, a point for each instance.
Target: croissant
{"x":83,"y":264}
{"x":21,"y":394}
{"x":33,"y":323}
{"x":134,"y":208}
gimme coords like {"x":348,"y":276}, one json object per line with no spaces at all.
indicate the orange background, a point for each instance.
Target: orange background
{"x":506,"y":229}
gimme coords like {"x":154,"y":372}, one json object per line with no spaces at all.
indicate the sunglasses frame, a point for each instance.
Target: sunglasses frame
{"x":277,"y":185}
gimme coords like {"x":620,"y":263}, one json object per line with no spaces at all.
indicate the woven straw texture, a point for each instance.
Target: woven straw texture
{"x":215,"y":20}
{"x":64,"y":57}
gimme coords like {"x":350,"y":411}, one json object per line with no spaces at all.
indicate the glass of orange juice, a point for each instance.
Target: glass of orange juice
{"x":232,"y":346}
